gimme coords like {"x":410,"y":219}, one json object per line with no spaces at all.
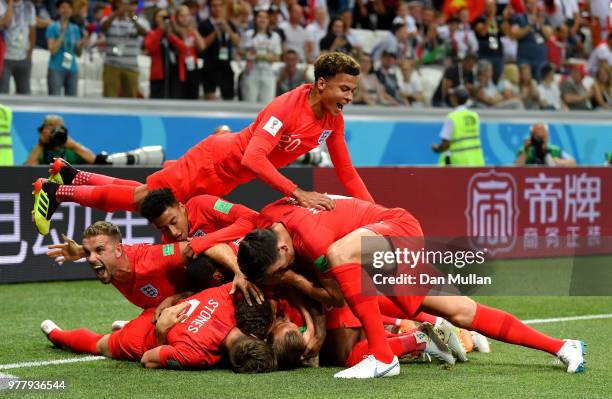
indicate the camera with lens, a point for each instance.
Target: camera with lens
{"x":57,"y":137}
{"x":152,"y":155}
{"x":538,"y":145}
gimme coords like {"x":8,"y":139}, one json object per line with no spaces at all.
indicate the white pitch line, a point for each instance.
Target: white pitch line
{"x":5,"y":379}
{"x":94,"y":358}
{"x":571,"y":318}
{"x":50,"y":362}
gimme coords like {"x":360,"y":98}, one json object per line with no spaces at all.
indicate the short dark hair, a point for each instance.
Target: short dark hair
{"x":200,"y":273}
{"x":156,"y":202}
{"x":546,"y":69}
{"x":289,"y":350}
{"x":103,"y":228}
{"x":255,"y":319}
{"x":328,"y":65}
{"x":257,"y":251}
{"x":250,"y":355}
{"x":60,"y":2}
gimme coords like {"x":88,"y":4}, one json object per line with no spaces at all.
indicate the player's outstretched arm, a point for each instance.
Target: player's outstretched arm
{"x":169,"y":301}
{"x":327,"y":297}
{"x":68,"y":250}
{"x":151,"y":359}
{"x":314,"y":318}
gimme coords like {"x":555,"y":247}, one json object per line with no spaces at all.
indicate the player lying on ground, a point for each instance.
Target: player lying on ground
{"x":331,"y":241}
{"x":288,"y":127}
{"x":193,"y":334}
{"x":344,"y":341}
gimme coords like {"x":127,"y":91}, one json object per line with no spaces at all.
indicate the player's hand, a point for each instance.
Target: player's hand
{"x":312,"y":199}
{"x":68,"y":250}
{"x":171,"y":316}
{"x":247,"y":288}
{"x":166,"y":303}
{"x":188,"y":252}
{"x":314,"y":342}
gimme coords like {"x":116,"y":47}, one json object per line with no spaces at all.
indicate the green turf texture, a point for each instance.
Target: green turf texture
{"x":509,"y":371}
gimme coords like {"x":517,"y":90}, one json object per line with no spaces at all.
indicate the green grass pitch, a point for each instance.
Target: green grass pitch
{"x":508,"y":371}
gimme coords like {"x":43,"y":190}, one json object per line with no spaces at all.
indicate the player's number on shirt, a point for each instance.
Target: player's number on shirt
{"x":289,"y":142}
{"x":193,"y":304}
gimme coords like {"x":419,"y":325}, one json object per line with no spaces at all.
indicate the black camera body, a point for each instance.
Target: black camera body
{"x":58,"y":137}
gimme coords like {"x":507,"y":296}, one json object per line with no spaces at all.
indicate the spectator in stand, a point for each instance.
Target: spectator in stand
{"x":548,"y":90}
{"x":79,"y":14}
{"x":573,"y":93}
{"x":65,"y":45}
{"x":601,"y":17}
{"x":316,"y":30}
{"x":508,"y":85}
{"x":387,"y":77}
{"x":531,"y":30}
{"x":601,"y":54}
{"x":221,"y":40}
{"x":528,"y":88}
{"x":403,"y":16}
{"x":380,"y":16}
{"x":352,"y":37}
{"x":18,"y":28}
{"x":369,"y":89}
{"x":295,"y":34}
{"x":602,"y":89}
{"x":361,"y":15}
{"x":122,"y":30}
{"x":96,"y":39}
{"x":336,"y":40}
{"x":411,"y":87}
{"x":508,"y":42}
{"x":188,"y":47}
{"x":262,"y":47}
{"x":291,"y":74}
{"x":553,"y":12}
{"x":397,"y":42}
{"x":488,"y":34}
{"x":464,"y":35}
{"x":161,"y":45}
{"x":43,"y":19}
{"x":243,"y":18}
{"x":487,"y":95}
{"x":275,"y":20}
{"x":431,"y":46}
{"x":558,"y":46}
{"x":458,"y":74}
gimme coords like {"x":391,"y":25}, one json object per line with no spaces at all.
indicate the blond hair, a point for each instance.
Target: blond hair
{"x":103,"y":228}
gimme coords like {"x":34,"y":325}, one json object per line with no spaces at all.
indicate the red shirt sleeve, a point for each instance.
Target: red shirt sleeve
{"x":179,"y":356}
{"x":230,"y":233}
{"x":162,"y":257}
{"x":151,"y":42}
{"x":345,"y":171}
{"x":267,"y":130}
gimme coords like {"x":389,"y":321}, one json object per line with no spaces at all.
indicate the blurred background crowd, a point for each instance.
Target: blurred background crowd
{"x":508,"y":54}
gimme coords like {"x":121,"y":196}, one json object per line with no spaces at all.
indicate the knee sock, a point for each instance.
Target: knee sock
{"x":365,"y":308}
{"x":93,"y":179}
{"x":502,"y":326}
{"x":80,"y":340}
{"x":107,"y":198}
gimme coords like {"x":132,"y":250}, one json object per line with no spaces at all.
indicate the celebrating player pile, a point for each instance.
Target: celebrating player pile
{"x":306,"y":251}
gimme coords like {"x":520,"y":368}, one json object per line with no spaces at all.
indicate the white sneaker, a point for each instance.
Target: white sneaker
{"x":572,"y":355}
{"x":47,"y":326}
{"x":481,"y":343}
{"x":435,"y":346}
{"x":118,"y":324}
{"x":449,"y":336}
{"x":369,"y":367}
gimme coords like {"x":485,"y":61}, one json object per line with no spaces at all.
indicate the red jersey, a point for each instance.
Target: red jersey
{"x":156,"y":272}
{"x":285,"y":129}
{"x":313,"y":231}
{"x":196,"y":342}
{"x":211,"y":220}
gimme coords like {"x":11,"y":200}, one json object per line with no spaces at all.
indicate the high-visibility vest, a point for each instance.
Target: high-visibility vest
{"x":6,"y":144}
{"x":465,"y":148}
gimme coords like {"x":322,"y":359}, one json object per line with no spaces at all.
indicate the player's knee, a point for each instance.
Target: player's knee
{"x":463,"y":312}
{"x":341,"y":252}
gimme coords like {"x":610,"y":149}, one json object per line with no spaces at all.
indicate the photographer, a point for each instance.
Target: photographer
{"x":538,"y":151}
{"x":53,"y":142}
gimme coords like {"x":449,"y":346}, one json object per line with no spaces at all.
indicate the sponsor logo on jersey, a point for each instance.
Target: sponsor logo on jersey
{"x":273,"y":125}
{"x":149,"y":291}
{"x":324,"y":136}
{"x":223,"y":206}
{"x":492,"y":211}
{"x":168,"y":250}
